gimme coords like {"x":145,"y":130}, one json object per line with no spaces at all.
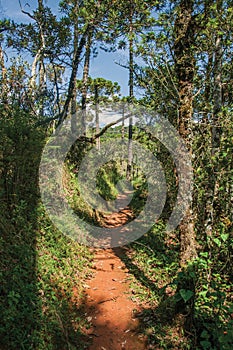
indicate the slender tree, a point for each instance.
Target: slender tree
{"x":184,"y":30}
{"x":100,"y":91}
{"x":85,"y":81}
{"x":133,"y":16}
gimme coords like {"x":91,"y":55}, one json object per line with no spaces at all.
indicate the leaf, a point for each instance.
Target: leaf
{"x":224,"y":236}
{"x":122,"y":45}
{"x":205,"y":344}
{"x":205,"y":334}
{"x":217,"y":242}
{"x":186,"y":294}
{"x":204,"y":254}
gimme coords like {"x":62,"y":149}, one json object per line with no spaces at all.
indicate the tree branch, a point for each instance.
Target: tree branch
{"x":73,"y":75}
{"x":106,"y":127}
{"x":25,"y":12}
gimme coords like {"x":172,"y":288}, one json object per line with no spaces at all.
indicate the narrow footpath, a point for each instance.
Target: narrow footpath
{"x":109,"y":308}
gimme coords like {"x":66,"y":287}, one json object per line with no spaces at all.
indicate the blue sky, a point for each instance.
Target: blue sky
{"x":102,"y":66}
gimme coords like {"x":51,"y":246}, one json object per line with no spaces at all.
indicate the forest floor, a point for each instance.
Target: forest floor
{"x":109,"y":308}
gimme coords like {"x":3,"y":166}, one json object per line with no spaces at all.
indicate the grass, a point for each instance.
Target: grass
{"x":41,"y":270}
{"x":42,"y":274}
{"x":153,"y":266}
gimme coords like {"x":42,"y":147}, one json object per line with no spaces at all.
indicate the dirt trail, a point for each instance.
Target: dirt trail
{"x":108,"y":305}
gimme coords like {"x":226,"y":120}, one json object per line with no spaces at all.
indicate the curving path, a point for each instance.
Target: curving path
{"x":109,"y":309}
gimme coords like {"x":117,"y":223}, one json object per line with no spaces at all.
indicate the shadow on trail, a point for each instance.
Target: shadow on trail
{"x":159,"y":315}
{"x":35,"y":312}
{"x":111,"y":332}
{"x":173,"y":322}
{"x":135,"y":270}
{"x":108,"y":306}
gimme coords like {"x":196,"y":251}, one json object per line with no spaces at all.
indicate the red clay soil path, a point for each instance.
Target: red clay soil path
{"x":108,"y":305}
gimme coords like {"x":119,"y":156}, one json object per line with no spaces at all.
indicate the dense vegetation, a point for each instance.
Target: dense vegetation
{"x":180,"y":64}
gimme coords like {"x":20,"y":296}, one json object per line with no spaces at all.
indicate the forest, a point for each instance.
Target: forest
{"x":90,"y":173}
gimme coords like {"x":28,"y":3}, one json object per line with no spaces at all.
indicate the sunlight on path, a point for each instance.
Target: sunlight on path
{"x":108,"y":307}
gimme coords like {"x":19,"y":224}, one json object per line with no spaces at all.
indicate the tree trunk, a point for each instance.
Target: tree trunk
{"x":217,"y":95}
{"x":185,"y":65}
{"x":73,"y":76}
{"x":97,"y":121}
{"x":74,"y":97}
{"x":207,"y":92}
{"x":85,"y":81}
{"x":39,"y":58}
{"x":3,"y":74}
{"x":33,"y":71}
{"x":212,"y":189}
{"x":123,"y":122}
{"x":131,"y":93}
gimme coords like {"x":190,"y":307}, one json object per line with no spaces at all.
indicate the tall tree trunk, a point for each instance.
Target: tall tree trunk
{"x":123,"y":122}
{"x":74,"y":120}
{"x":74,"y":97}
{"x":3,"y":78}
{"x":185,"y":65}
{"x":217,"y":95}
{"x":97,"y":121}
{"x":85,"y":81}
{"x":42,"y":84}
{"x":32,"y":84}
{"x":39,"y":58}
{"x":212,"y":189}
{"x":73,"y":76}
{"x":207,"y":92}
{"x":131,"y":94}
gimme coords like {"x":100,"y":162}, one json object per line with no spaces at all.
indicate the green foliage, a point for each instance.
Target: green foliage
{"x":100,"y":90}
{"x":107,"y":178}
{"x":41,"y":270}
{"x":153,"y":264}
{"x":39,"y":293}
{"x":213,"y":306}
{"x":186,"y":294}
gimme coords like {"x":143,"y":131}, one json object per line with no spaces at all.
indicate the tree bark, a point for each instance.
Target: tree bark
{"x":4,"y":97}
{"x":72,"y":81}
{"x":213,"y":185}
{"x":74,"y":118}
{"x":185,"y":66}
{"x":39,"y":58}
{"x":97,"y":121}
{"x":85,"y":81}
{"x":131,"y":94}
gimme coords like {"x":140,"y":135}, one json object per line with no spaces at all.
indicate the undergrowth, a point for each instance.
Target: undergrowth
{"x":153,"y":262}
{"x":41,"y":270}
{"x":41,"y":285}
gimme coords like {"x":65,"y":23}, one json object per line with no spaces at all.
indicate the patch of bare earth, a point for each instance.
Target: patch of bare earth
{"x":109,"y":308}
